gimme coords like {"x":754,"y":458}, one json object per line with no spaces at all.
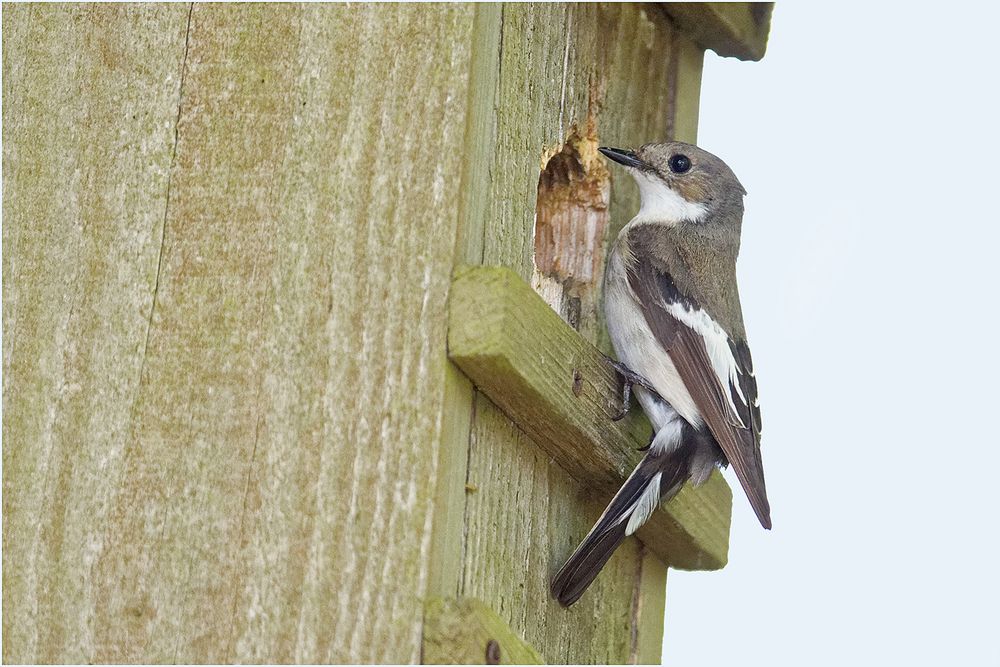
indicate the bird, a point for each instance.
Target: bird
{"x":673,"y":314}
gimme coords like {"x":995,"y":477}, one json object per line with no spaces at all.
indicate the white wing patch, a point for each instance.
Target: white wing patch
{"x":645,"y":505}
{"x":719,"y":353}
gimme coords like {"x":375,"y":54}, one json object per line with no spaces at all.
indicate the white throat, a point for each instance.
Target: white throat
{"x":661,"y":204}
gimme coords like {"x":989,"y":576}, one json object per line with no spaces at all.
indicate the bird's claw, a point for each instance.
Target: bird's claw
{"x":629,"y":378}
{"x":626,"y":402}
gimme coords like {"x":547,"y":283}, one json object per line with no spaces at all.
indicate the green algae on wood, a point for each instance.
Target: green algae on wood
{"x":561,"y":391}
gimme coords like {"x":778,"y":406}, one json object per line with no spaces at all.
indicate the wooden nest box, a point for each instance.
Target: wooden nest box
{"x":302,"y":337}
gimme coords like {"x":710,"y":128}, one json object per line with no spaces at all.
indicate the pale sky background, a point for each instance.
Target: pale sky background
{"x":868,"y":141}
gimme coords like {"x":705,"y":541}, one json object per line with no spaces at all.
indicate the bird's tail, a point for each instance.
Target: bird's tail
{"x":657,"y":476}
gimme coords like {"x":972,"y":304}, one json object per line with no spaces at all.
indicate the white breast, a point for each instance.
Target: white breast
{"x":637,"y":347}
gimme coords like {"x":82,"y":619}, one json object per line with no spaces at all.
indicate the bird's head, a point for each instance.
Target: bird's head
{"x":681,"y":183}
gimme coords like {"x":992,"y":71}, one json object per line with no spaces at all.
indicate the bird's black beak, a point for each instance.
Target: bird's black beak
{"x":627,"y":158}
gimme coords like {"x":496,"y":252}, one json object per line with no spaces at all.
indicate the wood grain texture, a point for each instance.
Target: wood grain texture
{"x":448,"y":535}
{"x":541,"y":88}
{"x":229,"y":231}
{"x":90,"y":106}
{"x":524,"y":512}
{"x":687,"y":61}
{"x":461,"y":632}
{"x":649,"y":609}
{"x":238,"y":482}
{"x":449,"y":531}
{"x":557,"y":67}
{"x":561,"y":392}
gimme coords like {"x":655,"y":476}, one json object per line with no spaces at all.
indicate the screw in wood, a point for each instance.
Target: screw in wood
{"x":492,"y":652}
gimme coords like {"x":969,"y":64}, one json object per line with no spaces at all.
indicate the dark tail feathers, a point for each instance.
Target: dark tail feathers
{"x":586,"y":562}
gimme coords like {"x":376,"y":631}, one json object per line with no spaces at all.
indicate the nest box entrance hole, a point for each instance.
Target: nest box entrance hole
{"x":571,"y":221}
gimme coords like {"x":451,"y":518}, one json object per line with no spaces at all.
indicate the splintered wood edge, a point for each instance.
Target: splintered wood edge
{"x":467,"y":632}
{"x":737,"y":29}
{"x":560,"y":390}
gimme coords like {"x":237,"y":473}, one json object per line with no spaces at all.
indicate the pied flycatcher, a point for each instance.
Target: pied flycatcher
{"x":673,"y":314}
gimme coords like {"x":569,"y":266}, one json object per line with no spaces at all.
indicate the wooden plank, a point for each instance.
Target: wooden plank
{"x":480,"y":134}
{"x":448,"y":540}
{"x":262,"y":489}
{"x":547,"y":54}
{"x":524,"y":514}
{"x":90,"y":104}
{"x":559,"y":389}
{"x":736,"y":29}
{"x":650,"y":607}
{"x":551,"y":59}
{"x":448,"y":536}
{"x":467,"y":632}
{"x":605,"y":70}
{"x":688,"y":59}
{"x":220,"y":398}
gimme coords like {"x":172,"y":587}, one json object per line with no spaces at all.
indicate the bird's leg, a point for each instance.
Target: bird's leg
{"x":629,"y":378}
{"x":626,"y":402}
{"x":652,"y":437}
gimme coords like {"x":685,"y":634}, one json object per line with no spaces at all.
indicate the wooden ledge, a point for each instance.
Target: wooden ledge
{"x":467,"y":632}
{"x":736,"y":29}
{"x":561,"y":391}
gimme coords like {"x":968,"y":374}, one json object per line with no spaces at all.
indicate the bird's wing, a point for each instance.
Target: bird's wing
{"x":716,"y":370}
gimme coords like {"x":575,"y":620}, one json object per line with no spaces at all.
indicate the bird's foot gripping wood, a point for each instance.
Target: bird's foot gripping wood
{"x":629,"y":378}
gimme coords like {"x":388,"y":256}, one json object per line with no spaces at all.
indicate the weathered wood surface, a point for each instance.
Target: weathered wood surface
{"x":220,"y":413}
{"x":737,"y":29}
{"x":468,"y":632}
{"x":229,"y":231}
{"x":616,"y":70}
{"x":560,"y":390}
{"x":89,"y":115}
{"x":649,"y":610}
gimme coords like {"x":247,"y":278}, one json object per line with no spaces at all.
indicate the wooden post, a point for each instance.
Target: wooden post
{"x":232,"y":431}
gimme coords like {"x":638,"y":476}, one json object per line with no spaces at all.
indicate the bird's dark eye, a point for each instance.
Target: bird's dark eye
{"x":679,"y":164}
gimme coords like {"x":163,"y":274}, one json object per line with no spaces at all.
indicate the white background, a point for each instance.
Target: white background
{"x":867,"y":139}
